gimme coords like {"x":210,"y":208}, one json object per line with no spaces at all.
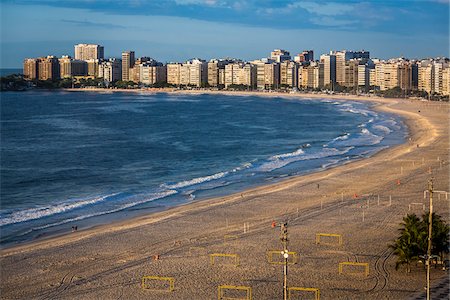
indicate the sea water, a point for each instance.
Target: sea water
{"x":87,"y":158}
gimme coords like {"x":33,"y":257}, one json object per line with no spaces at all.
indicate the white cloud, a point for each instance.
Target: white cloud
{"x":324,"y":9}
{"x":197,"y":2}
{"x":330,"y":21}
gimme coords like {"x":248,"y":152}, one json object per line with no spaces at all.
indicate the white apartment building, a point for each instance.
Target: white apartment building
{"x":239,"y":74}
{"x":110,"y":70}
{"x":193,"y":72}
{"x":150,"y":74}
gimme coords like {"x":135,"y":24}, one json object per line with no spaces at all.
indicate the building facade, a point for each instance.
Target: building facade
{"x":329,"y":69}
{"x":288,"y":74}
{"x":48,"y":68}
{"x":110,"y":70}
{"x":30,"y":68}
{"x":128,"y":61}
{"x":71,"y":67}
{"x":280,"y":55}
{"x":89,"y":51}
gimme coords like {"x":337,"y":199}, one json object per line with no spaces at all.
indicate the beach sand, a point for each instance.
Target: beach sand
{"x":364,"y":201}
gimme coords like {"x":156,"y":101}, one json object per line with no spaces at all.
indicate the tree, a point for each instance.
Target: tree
{"x":413,"y":240}
{"x":439,"y":235}
{"x":409,"y":245}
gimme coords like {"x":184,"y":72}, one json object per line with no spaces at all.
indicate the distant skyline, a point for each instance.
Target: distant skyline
{"x":177,"y":30}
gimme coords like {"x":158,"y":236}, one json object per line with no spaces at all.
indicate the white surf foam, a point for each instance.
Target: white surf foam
{"x":45,"y":211}
{"x":195,"y":181}
{"x":148,"y":198}
{"x":286,"y":155}
{"x":382,"y":128}
{"x":279,"y":163}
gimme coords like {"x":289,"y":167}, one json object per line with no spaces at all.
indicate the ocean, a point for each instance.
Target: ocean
{"x":86,"y":158}
{"x":6,"y":72}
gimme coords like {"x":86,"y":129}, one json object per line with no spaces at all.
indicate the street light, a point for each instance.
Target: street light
{"x":284,"y":239}
{"x":430,"y":227}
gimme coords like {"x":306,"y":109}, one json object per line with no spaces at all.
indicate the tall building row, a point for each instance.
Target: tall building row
{"x":353,"y":70}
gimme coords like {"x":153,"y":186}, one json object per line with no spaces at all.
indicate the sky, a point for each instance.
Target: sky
{"x":178,"y":30}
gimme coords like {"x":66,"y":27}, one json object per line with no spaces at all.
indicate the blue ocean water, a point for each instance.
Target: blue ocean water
{"x":6,"y":72}
{"x":81,"y":158}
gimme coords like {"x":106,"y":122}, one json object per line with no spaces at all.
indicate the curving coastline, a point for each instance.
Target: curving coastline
{"x":134,"y":241}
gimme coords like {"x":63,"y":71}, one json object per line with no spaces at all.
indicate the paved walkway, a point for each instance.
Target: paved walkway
{"x":438,"y":291}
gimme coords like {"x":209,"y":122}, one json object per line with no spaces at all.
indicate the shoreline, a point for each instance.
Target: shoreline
{"x":61,"y":233}
{"x":378,"y":103}
{"x":109,"y":261}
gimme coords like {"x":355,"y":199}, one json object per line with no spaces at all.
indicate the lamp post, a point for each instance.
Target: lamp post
{"x":284,"y":240}
{"x":427,"y":257}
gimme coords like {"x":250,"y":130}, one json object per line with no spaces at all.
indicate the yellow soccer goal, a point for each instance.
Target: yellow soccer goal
{"x":232,"y":292}
{"x":226,"y":258}
{"x":336,"y":237}
{"x":354,"y":264}
{"x":301,"y":290}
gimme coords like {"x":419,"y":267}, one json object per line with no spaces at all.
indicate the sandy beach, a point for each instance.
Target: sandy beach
{"x":363,"y":201}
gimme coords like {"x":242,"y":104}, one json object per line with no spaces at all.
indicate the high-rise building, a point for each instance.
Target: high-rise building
{"x":342,"y":57}
{"x":280,"y":55}
{"x":305,"y":56}
{"x":432,"y":76}
{"x":364,"y":75}
{"x":89,"y":51}
{"x":372,"y":77}
{"x":151,"y":74}
{"x":71,"y":67}
{"x":173,"y":73}
{"x":425,"y":76}
{"x":214,"y":67}
{"x":393,"y":73}
{"x":239,"y":73}
{"x":222,"y":77}
{"x":48,"y":68}
{"x":267,"y":74}
{"x":302,"y":76}
{"x":127,"y":64}
{"x":329,"y":69}
{"x":288,"y":74}
{"x":92,"y":67}
{"x":110,"y":70}
{"x":198,"y":72}
{"x":30,"y":68}
{"x":193,"y":72}
{"x":446,"y":81}
{"x":351,"y":73}
{"x":404,"y":77}
{"x":313,"y":75}
{"x":437,"y":77}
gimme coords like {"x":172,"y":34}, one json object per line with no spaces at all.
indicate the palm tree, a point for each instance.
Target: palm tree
{"x":439,"y":237}
{"x":411,"y":242}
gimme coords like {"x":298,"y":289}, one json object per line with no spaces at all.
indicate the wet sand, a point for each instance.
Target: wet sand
{"x":364,"y":201}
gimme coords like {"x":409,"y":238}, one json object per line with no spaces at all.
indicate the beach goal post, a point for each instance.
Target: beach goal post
{"x":233,"y":292}
{"x":338,"y":238}
{"x":303,"y":290}
{"x":233,"y":257}
{"x":416,"y":204}
{"x":158,"y":283}
{"x":354,"y":264}
{"x":275,"y":257}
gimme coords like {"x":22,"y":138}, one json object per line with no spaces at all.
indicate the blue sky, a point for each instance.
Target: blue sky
{"x":176,"y":30}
